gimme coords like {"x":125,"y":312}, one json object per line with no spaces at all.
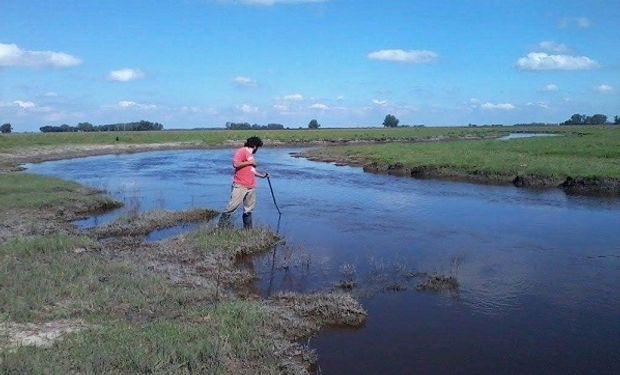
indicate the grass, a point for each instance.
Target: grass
{"x":218,"y":137}
{"x":27,"y":191}
{"x":42,"y":279}
{"x":222,"y":339}
{"x":591,"y":153}
{"x":140,"y":321}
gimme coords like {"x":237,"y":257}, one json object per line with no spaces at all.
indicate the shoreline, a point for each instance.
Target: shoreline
{"x":570,"y":185}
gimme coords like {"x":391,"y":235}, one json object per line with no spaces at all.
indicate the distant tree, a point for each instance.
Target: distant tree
{"x":313,"y":124}
{"x":616,"y":120}
{"x":6,"y":128}
{"x":597,"y":119}
{"x":85,"y":127}
{"x":390,"y":121}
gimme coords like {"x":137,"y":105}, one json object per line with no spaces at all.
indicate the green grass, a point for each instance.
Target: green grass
{"x":217,"y":137}
{"x":43,"y":279}
{"x":27,"y":191}
{"x":141,"y":322}
{"x":222,"y":339}
{"x":593,"y":153}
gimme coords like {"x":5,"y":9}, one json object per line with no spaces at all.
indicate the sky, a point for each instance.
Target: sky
{"x":346,"y":63}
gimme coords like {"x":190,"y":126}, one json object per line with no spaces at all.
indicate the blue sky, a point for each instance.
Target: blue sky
{"x":200,"y":63}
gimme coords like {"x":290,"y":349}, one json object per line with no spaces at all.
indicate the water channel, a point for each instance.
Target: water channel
{"x":539,"y":271}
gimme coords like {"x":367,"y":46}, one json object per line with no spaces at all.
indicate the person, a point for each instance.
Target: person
{"x":244,"y":183}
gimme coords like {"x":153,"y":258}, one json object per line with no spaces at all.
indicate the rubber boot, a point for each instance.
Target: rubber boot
{"x":247,"y":220}
{"x":224,"y":222}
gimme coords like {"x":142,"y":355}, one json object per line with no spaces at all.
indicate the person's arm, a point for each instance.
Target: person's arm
{"x":258,"y":174}
{"x":242,"y":164}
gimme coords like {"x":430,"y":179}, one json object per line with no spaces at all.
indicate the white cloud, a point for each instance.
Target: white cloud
{"x":246,"y":108}
{"x":125,"y":75}
{"x":381,"y":103}
{"x":580,"y":22}
{"x":554,"y":47}
{"x":399,"y":55}
{"x":280,"y":107}
{"x":51,"y":94}
{"x":320,"y":106}
{"x":499,"y":106}
{"x":11,"y":55}
{"x":241,"y":81}
{"x":551,"y":87}
{"x":294,"y":97}
{"x":542,"y":105}
{"x":24,"y":104}
{"x":543,"y":61}
{"x":271,"y":2}
{"x":128,"y":104}
{"x":605,"y":89}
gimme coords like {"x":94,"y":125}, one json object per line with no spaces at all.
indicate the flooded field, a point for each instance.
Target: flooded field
{"x":538,"y":272}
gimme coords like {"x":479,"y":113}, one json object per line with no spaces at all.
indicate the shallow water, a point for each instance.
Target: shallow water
{"x":539,"y":271}
{"x":526,"y":135}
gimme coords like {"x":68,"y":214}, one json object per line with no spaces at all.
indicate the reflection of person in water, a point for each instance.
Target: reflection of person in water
{"x":244,"y":183}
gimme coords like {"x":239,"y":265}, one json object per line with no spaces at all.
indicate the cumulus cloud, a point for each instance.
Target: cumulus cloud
{"x":271,"y":2}
{"x":241,"y":81}
{"x":579,"y":22}
{"x":12,"y":56}
{"x":294,"y":97}
{"x":543,"y":61}
{"x":409,"y":57}
{"x":497,"y":106}
{"x":129,"y":104}
{"x":125,"y":75}
{"x":551,"y":87}
{"x":320,"y":106}
{"x":24,"y":104}
{"x":246,"y":108}
{"x":550,"y":46}
{"x":605,"y":89}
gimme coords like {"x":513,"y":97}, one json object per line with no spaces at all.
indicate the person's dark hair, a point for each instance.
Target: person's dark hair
{"x":253,"y":142}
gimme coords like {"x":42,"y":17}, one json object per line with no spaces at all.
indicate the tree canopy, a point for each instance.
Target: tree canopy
{"x":313,"y":124}
{"x":6,"y":128}
{"x":390,"y":121}
{"x":577,"y":119}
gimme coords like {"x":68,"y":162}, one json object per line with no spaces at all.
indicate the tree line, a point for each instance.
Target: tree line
{"x":597,"y":119}
{"x":247,"y":126}
{"x":88,"y":127}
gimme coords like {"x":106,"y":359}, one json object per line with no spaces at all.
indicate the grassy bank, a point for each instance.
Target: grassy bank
{"x":73,"y":302}
{"x":590,"y":154}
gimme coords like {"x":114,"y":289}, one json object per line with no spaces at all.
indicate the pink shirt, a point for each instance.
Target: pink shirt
{"x":244,"y":176}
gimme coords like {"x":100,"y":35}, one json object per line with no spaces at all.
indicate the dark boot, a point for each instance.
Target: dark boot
{"x":247,"y":221}
{"x":224,"y":222}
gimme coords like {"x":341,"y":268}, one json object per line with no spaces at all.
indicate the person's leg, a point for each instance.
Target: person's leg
{"x":249,"y":202}
{"x":236,"y":197}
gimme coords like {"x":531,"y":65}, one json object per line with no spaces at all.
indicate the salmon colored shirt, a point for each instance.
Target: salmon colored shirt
{"x":244,"y":176}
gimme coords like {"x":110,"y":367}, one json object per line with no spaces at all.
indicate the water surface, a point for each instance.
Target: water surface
{"x":539,"y":271}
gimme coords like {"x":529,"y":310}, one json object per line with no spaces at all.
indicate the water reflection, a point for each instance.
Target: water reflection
{"x":528,"y":262}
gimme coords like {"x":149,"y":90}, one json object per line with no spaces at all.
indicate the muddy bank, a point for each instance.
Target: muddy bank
{"x":571,"y":185}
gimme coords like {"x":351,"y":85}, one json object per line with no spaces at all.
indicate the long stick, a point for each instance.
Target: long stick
{"x":273,"y":196}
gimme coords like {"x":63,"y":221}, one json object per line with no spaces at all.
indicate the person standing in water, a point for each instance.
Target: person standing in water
{"x":244,"y":183}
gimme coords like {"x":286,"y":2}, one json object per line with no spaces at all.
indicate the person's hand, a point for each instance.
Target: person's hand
{"x":266,"y":175}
